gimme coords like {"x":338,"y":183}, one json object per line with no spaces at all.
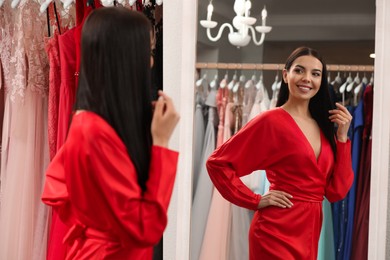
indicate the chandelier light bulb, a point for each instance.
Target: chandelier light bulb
{"x":248,"y":6}
{"x":210,"y":9}
{"x":263,"y":15}
{"x":239,"y":7}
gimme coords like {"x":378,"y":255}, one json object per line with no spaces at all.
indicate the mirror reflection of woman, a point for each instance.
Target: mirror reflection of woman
{"x":305,"y":159}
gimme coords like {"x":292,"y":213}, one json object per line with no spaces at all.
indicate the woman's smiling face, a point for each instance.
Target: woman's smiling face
{"x":304,"y":77}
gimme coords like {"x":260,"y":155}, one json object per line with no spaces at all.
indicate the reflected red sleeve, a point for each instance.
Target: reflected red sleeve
{"x":254,"y":147}
{"x":342,"y":177}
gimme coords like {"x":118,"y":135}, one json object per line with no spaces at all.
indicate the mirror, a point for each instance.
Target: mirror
{"x":344,"y":33}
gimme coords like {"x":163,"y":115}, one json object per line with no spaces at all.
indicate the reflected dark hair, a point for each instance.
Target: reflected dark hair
{"x":115,"y":79}
{"x":320,"y":104}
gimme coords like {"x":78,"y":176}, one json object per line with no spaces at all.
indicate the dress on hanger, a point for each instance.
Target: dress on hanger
{"x":358,"y":126}
{"x":115,"y":219}
{"x":199,"y":137}
{"x":216,"y":236}
{"x":204,"y":188}
{"x":23,"y":217}
{"x":222,"y":98}
{"x":249,"y":100}
{"x":362,"y":210}
{"x":56,"y":249}
{"x":53,"y":53}
{"x":61,"y":24}
{"x":340,"y":214}
{"x":2,"y":76}
{"x":326,"y":244}
{"x":256,"y":181}
{"x":282,"y":233}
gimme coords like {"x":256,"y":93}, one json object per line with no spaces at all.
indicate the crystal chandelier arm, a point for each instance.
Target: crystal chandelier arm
{"x":262,"y":37}
{"x":216,"y":38}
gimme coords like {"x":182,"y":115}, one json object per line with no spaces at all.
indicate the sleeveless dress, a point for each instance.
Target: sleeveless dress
{"x":23,"y":217}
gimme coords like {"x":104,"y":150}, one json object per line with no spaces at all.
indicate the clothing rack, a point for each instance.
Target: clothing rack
{"x":274,"y":66}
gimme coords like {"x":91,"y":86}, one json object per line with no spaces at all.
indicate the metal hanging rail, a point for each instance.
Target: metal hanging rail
{"x":274,"y":66}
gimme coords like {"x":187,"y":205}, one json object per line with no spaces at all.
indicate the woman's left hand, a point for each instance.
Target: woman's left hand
{"x":343,"y":119}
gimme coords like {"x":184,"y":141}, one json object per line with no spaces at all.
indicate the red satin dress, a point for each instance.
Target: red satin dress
{"x":274,"y":142}
{"x":92,"y":185}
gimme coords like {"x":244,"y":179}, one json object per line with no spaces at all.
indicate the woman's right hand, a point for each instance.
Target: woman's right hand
{"x":165,"y":119}
{"x":275,"y":198}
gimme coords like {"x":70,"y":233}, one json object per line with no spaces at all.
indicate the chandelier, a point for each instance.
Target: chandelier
{"x":242,"y":22}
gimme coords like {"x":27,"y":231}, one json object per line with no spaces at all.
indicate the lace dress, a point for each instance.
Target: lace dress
{"x":23,"y":217}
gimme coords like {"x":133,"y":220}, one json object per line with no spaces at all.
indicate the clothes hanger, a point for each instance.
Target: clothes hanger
{"x":107,"y":3}
{"x":238,"y":83}
{"x":260,"y":84}
{"x":199,"y":82}
{"x":233,"y":81}
{"x":91,"y":3}
{"x":15,"y":3}
{"x":274,"y":86}
{"x":260,"y":88}
{"x":223,"y":82}
{"x":355,"y":82}
{"x":337,"y":79}
{"x":251,"y":82}
{"x":67,"y":3}
{"x":365,"y":79}
{"x":213,"y":83}
{"x":44,"y":6}
{"x":357,"y":88}
{"x":372,"y":79}
{"x":344,"y":86}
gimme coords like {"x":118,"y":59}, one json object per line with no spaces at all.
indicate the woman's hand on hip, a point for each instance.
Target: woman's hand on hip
{"x":275,"y":198}
{"x":165,"y":119}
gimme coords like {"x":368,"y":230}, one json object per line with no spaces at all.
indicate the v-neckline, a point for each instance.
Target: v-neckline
{"x":308,"y":144}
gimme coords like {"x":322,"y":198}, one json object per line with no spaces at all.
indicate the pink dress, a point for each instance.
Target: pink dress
{"x":216,"y":238}
{"x":23,"y":217}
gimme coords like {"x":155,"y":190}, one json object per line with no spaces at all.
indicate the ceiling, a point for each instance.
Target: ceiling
{"x":306,"y":20}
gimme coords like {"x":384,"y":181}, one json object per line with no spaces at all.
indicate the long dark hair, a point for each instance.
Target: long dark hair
{"x":320,"y":104}
{"x":115,"y":78}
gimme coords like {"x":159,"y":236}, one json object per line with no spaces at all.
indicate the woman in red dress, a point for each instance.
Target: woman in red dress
{"x":305,"y":160}
{"x":112,"y":180}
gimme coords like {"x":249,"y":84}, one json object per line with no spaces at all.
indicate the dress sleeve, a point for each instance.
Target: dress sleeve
{"x":250,"y":149}
{"x":142,"y":216}
{"x":342,"y":177}
{"x":55,"y":192}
